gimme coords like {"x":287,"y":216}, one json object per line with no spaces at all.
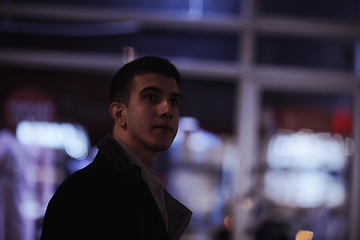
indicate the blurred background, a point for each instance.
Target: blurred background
{"x":268,"y":142}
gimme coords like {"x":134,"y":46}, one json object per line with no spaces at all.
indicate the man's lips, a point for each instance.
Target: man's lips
{"x":165,"y":126}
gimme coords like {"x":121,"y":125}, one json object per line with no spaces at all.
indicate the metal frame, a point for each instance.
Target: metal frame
{"x":251,"y":79}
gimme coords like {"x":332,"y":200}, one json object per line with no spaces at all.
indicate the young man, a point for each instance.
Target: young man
{"x":117,"y":196}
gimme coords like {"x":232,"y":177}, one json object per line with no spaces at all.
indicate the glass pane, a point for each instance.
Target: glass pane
{"x":211,"y":102}
{"x":327,"y":9}
{"x":144,"y":42}
{"x":336,"y":54}
{"x":303,"y":172}
{"x":231,"y":7}
{"x":79,"y":97}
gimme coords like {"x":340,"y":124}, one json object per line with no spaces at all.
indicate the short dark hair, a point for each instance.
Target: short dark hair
{"x":121,"y":82}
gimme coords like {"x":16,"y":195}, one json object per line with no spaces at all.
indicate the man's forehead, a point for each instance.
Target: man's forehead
{"x":155,"y":82}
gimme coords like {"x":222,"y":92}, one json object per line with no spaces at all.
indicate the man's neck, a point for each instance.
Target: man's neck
{"x":145,"y":156}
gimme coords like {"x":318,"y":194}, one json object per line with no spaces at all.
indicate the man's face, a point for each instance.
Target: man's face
{"x":152,"y":115}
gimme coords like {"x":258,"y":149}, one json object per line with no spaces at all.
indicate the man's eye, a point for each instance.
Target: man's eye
{"x":175,"y":101}
{"x":150,"y":97}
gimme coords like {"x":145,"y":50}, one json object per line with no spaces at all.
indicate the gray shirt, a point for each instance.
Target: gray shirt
{"x":155,"y":185}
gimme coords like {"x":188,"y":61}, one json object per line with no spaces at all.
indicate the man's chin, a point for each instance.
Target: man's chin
{"x":162,"y":146}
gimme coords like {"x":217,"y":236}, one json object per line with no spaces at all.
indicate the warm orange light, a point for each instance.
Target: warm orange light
{"x":304,"y":235}
{"x":227,"y":222}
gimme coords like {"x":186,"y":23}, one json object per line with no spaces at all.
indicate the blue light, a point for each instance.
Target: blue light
{"x":72,"y":138}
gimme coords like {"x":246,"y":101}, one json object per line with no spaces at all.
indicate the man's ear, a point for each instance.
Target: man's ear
{"x":118,"y":113}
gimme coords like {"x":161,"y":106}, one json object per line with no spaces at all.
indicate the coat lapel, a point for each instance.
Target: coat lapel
{"x":178,"y":215}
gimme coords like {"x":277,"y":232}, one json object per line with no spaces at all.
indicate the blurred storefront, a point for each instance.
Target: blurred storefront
{"x":34,"y":153}
{"x":26,"y":174}
{"x":304,"y":167}
{"x":269,"y":142}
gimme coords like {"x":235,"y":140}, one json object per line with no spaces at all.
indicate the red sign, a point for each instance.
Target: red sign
{"x":30,"y":104}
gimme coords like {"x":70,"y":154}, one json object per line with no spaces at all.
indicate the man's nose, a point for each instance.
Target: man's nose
{"x":166,"y":109}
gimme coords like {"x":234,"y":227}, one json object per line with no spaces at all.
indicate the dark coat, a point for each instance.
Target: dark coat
{"x":108,"y":199}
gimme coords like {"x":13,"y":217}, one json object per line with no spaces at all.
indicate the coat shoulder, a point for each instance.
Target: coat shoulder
{"x":86,"y":204}
{"x":96,"y":178}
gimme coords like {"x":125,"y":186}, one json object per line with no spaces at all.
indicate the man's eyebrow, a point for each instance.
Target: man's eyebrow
{"x":154,"y":89}
{"x":177,"y":95}
{"x":159,"y":90}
